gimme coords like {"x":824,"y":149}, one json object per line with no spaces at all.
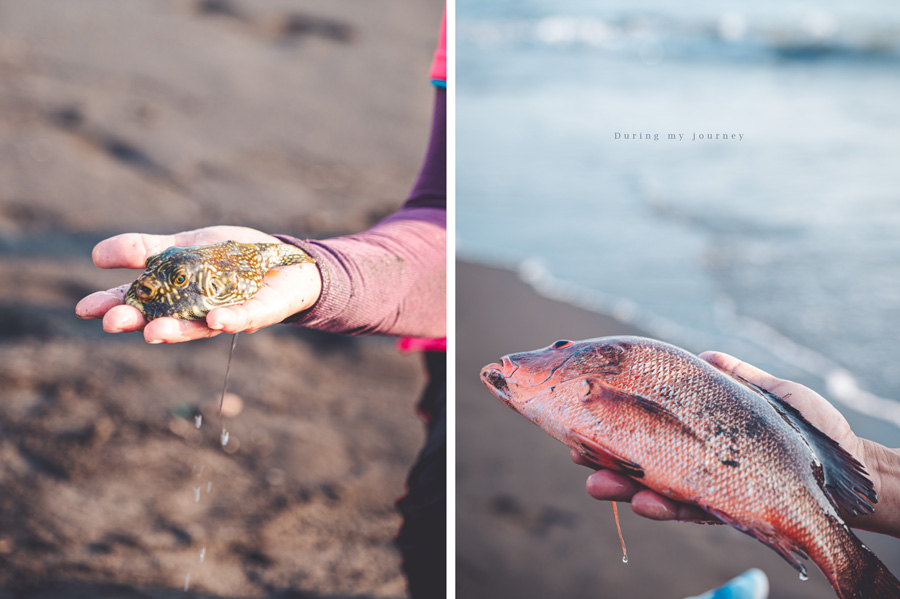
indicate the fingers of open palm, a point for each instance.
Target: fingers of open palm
{"x":287,"y":291}
{"x":249,"y":317}
{"x":274,"y":302}
{"x":750,"y":373}
{"x":583,"y":461}
{"x":652,"y":505}
{"x":129,"y":250}
{"x":127,"y":319}
{"x":220,"y":233}
{"x":123,"y":319}
{"x":607,"y":485}
{"x":97,"y":304}
{"x":173,"y":330}
{"x":611,"y":486}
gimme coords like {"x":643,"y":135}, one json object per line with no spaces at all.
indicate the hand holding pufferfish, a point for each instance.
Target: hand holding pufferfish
{"x":282,"y":293}
{"x":188,"y":282}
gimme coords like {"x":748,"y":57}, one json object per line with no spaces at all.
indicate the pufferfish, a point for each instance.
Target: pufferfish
{"x":188,"y":282}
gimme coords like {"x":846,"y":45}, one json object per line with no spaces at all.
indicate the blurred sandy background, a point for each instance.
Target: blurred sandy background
{"x":308,"y":118}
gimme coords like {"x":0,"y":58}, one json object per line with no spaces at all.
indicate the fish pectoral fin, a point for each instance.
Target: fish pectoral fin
{"x":603,"y":457}
{"x":781,"y":544}
{"x":596,"y":391}
{"x":599,"y":398}
{"x":846,"y":482}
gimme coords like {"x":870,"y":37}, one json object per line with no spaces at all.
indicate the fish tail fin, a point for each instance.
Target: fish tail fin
{"x":277,"y":254}
{"x":287,"y":254}
{"x":859,"y":574}
{"x":876,"y":583}
{"x":885,"y":584}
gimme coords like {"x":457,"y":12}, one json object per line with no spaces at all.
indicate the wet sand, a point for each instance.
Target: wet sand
{"x":526,"y":527}
{"x":305,"y":118}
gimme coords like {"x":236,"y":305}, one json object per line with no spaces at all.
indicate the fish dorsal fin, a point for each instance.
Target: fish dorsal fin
{"x":846,"y":481}
{"x":603,"y":457}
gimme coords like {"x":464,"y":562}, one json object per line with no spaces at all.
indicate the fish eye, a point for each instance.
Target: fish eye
{"x":561,"y":343}
{"x":180,"y":279}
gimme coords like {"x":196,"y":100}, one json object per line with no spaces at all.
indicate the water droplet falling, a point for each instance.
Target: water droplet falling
{"x":196,"y":494}
{"x":208,"y":486}
{"x":227,"y":370}
{"x":803,"y":575}
{"x":224,"y":437}
{"x":198,"y":420}
{"x":615,"y":508}
{"x":187,"y":581}
{"x":202,"y":554}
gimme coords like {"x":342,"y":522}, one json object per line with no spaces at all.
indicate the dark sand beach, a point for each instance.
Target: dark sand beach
{"x":306,"y":118}
{"x":526,"y":527}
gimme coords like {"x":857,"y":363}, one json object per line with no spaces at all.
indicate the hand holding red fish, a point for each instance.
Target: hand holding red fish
{"x":702,"y":434}
{"x":883,"y":464}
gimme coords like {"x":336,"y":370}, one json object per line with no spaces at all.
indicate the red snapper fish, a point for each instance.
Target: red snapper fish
{"x":689,"y":431}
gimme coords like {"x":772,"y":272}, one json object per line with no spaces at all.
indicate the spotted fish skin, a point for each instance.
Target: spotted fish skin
{"x":188,"y":282}
{"x":687,"y":430}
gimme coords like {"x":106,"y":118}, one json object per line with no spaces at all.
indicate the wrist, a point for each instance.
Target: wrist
{"x":311,"y":284}
{"x":883,"y":466}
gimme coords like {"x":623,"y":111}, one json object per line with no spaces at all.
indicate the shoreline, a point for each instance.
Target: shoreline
{"x":525,"y":525}
{"x":872,"y":416}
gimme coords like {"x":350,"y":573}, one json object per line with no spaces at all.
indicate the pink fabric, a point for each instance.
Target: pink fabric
{"x":389,"y":280}
{"x":439,"y":62}
{"x":410,"y":344}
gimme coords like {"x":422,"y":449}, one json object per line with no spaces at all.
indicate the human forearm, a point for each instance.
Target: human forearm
{"x":389,"y":280}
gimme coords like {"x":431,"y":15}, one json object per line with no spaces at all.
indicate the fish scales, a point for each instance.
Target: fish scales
{"x":702,"y":436}
{"x":188,"y":282}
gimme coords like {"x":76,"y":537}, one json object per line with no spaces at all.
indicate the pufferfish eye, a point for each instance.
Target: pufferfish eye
{"x":180,"y":279}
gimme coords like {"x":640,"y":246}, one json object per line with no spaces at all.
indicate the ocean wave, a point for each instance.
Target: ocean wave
{"x":815,"y":36}
{"x":534,"y":273}
{"x":841,"y":385}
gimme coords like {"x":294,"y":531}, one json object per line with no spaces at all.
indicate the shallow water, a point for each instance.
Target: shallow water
{"x":777,"y":242}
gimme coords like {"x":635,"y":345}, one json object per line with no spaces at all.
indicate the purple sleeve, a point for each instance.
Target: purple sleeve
{"x":392,"y":278}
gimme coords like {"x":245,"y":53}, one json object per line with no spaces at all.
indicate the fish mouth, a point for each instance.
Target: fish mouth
{"x":133,"y":301}
{"x":494,"y":377}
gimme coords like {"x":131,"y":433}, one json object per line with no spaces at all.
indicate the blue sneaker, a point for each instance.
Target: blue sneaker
{"x":752,"y":584}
